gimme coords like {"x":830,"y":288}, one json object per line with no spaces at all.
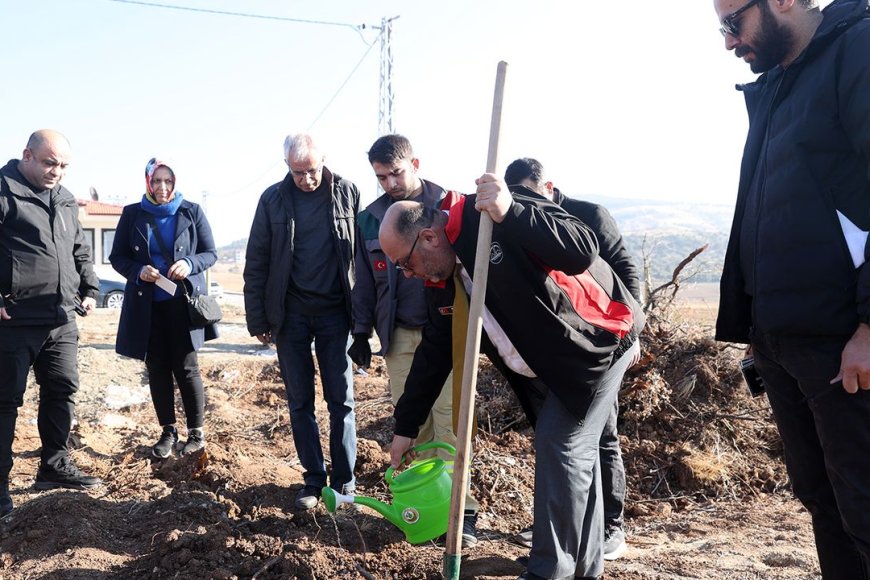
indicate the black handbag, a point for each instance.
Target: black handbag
{"x":202,"y":310}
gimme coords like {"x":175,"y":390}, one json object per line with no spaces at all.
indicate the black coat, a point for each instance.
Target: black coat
{"x":611,"y":246}
{"x":563,"y":308}
{"x":45,"y":259}
{"x":807,"y":155}
{"x":269,"y":255}
{"x":131,"y":252}
{"x":381,"y":294}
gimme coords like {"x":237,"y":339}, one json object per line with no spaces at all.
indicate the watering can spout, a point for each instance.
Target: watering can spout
{"x":332,"y":499}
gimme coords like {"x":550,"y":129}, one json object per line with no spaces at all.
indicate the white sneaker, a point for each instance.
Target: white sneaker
{"x":614,"y":543}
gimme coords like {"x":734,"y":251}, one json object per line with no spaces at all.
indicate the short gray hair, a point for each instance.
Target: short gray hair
{"x":301,"y":144}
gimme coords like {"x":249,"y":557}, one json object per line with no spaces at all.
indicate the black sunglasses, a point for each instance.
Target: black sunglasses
{"x":729,"y":24}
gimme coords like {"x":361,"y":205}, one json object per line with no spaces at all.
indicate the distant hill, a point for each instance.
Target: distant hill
{"x":669,"y":231}
{"x":666,"y":231}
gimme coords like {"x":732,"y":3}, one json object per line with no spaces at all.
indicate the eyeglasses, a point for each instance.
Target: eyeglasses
{"x":312,"y":173}
{"x":402,"y":265}
{"x":729,"y":24}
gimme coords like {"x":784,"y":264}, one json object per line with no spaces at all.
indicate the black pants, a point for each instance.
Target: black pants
{"x":51,"y":351}
{"x":170,"y":353}
{"x":826,"y":435}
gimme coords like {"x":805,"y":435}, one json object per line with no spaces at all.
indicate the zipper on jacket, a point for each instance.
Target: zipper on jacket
{"x":761,"y":193}
{"x":53,"y":214}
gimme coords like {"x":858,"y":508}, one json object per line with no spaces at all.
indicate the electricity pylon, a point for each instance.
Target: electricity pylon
{"x":386,"y":97}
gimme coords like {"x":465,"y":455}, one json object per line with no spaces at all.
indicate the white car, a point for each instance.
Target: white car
{"x":216,"y":290}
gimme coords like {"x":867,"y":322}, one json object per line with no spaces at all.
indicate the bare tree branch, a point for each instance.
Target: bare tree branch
{"x":673,"y":285}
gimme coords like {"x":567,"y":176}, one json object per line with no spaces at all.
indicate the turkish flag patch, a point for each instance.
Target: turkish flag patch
{"x":380,"y":265}
{"x":445,"y":311}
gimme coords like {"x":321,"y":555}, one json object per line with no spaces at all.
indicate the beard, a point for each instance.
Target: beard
{"x":771,"y":46}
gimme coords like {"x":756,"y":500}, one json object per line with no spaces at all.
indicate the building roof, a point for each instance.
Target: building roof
{"x":100,"y":208}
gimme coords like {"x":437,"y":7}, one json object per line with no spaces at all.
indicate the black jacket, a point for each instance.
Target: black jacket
{"x":382,"y":294}
{"x":131,"y":251}
{"x":611,"y":246}
{"x":269,"y":256}
{"x":807,"y":155}
{"x":45,"y":259}
{"x":563,"y":308}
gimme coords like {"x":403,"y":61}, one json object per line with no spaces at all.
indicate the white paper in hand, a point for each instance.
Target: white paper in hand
{"x":166,"y":285}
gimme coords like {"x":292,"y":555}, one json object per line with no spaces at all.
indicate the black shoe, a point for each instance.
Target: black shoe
{"x":195,"y":441}
{"x":164,"y":446}
{"x":65,"y":475}
{"x":5,"y":499}
{"x":469,"y":530}
{"x":524,"y":537}
{"x":307,"y":497}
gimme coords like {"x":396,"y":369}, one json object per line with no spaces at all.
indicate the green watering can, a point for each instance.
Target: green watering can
{"x":421,"y":496}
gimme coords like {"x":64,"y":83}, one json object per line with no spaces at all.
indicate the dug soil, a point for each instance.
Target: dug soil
{"x":707,"y":493}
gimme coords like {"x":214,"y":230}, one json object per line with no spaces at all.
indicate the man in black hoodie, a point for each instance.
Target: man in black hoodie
{"x":45,"y":268}
{"x":526,"y":176}
{"x":795,"y":283}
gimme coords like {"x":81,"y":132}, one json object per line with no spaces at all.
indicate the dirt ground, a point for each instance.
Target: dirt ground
{"x":707,"y":493}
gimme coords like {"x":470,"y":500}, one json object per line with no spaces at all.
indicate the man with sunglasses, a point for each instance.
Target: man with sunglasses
{"x":392,"y":304}
{"x":298,"y":280}
{"x":795,"y":284}
{"x":553,"y":311}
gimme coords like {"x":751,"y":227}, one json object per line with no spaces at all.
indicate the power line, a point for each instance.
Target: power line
{"x":385,"y":112}
{"x":320,"y":114}
{"x":243,"y":14}
{"x":317,"y":118}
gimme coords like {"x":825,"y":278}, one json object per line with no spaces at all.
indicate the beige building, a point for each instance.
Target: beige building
{"x":99,"y":221}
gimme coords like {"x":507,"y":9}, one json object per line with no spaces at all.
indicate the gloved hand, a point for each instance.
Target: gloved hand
{"x":360,"y":351}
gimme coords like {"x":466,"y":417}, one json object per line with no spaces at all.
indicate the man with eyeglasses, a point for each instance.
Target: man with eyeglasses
{"x":46,"y":266}
{"x":394,"y":305}
{"x":795,"y":284}
{"x":553,"y":311}
{"x":299,"y":274}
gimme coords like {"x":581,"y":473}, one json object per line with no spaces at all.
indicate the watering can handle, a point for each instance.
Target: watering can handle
{"x":422,"y":447}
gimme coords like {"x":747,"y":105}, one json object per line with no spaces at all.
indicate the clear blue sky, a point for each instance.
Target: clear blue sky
{"x":632,"y":99}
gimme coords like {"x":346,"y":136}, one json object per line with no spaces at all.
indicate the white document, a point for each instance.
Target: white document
{"x":856,"y":239}
{"x":166,"y":285}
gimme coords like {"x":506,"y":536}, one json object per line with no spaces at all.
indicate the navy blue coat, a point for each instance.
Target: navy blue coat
{"x":131,"y":252}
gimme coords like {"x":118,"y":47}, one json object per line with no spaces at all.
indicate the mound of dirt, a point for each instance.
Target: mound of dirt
{"x":702,"y":458}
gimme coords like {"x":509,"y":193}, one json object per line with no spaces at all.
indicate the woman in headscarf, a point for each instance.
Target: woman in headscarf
{"x":165,"y":237}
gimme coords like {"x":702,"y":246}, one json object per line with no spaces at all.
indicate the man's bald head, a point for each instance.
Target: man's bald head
{"x":403,"y":220}
{"x":47,"y":137}
{"x":412,"y":236}
{"x":45,"y":159}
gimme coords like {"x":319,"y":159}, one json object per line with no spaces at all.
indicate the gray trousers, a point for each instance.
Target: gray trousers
{"x":568,"y":529}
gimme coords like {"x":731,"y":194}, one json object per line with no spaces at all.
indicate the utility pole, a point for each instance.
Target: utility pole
{"x":387,"y":97}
